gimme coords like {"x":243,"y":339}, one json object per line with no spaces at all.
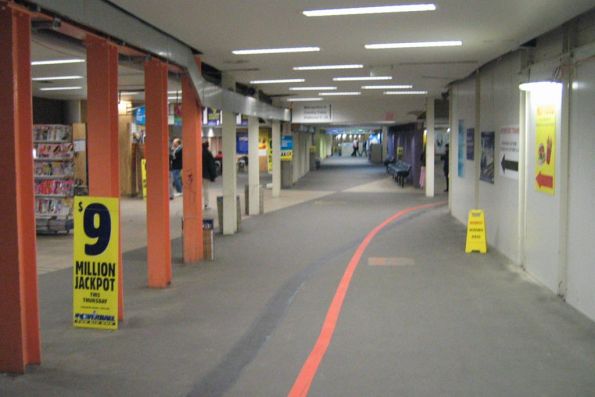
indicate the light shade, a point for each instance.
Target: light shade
{"x":312,"y":88}
{"x":387,"y":87}
{"x":405,"y":92}
{"x":419,"y":44}
{"x":343,"y":93}
{"x":57,"y":61}
{"x":60,"y":88}
{"x":304,"y":99}
{"x":363,"y":78}
{"x":258,"y":51}
{"x":328,"y":67}
{"x":539,"y":85}
{"x":277,"y":81}
{"x":57,"y":78}
{"x":370,"y":10}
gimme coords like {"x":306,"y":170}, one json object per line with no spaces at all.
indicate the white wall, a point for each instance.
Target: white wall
{"x":542,"y":235}
{"x":581,"y":225}
{"x":462,"y":188}
{"x":556,"y":232}
{"x":499,"y":107}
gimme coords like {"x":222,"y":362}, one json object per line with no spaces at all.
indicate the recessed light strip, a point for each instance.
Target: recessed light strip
{"x":328,"y":67}
{"x":258,"y":51}
{"x":370,"y":10}
{"x":363,"y":78}
{"x":312,"y":88}
{"x":277,"y":81}
{"x":405,"y":92}
{"x":344,"y":93}
{"x":387,"y":87}
{"x":419,"y":44}
{"x":60,"y":88}
{"x":57,"y":62}
{"x":303,"y":99}
{"x":57,"y":78}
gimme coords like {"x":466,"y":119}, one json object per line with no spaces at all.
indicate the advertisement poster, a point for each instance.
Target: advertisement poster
{"x":143,"y":173}
{"x":213,"y":117}
{"x":96,"y":262}
{"x":545,"y":149}
{"x":461,"y":150}
{"x":470,"y":144}
{"x":440,"y":140}
{"x":242,"y":143}
{"x":486,"y":170}
{"x":286,"y":147}
{"x":140,"y":115}
{"x":270,"y":156}
{"x":509,"y":152}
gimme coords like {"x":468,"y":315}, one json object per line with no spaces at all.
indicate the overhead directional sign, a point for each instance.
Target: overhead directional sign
{"x":509,"y":152}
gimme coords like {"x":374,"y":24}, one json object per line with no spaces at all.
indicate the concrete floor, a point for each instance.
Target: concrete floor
{"x":432,"y":321}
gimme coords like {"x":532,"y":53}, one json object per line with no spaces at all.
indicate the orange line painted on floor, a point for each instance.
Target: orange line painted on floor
{"x":302,"y":384}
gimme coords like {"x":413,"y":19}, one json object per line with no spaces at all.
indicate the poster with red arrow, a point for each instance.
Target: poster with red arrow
{"x":545,"y":149}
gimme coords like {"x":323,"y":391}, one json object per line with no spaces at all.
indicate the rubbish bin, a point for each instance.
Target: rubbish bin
{"x":220,"y":212}
{"x":208,"y":239}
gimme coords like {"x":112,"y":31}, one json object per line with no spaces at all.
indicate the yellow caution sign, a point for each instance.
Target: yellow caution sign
{"x":143,"y":173}
{"x":95,"y":267}
{"x":476,"y":232}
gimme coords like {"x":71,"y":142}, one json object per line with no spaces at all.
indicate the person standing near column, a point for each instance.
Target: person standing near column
{"x":445,"y":167}
{"x":209,"y":172}
{"x":176,"y":165}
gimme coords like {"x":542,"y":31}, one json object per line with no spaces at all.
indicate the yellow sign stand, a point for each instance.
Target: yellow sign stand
{"x":143,"y":173}
{"x":95,"y":270}
{"x":476,"y":232}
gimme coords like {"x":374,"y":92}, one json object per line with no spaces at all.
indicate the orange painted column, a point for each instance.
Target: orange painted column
{"x":20,"y":343}
{"x":157,"y":156}
{"x":102,"y":129}
{"x":192,"y":172}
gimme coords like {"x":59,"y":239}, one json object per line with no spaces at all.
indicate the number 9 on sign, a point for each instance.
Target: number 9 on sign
{"x":95,"y":226}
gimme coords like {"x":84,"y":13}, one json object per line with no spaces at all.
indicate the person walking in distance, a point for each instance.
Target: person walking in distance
{"x":445,"y":166}
{"x":209,"y":172}
{"x":176,"y":165}
{"x":355,"y":148}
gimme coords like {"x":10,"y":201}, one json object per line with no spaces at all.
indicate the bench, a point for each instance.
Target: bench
{"x":399,"y":171}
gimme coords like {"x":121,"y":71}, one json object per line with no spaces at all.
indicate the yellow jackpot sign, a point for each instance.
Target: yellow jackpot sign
{"x":95,"y":267}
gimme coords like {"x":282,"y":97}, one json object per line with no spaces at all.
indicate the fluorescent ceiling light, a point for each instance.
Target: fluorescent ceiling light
{"x":405,"y":92}
{"x":328,"y":67}
{"x":303,"y":99}
{"x":57,"y":78}
{"x":57,"y":62}
{"x":387,"y":87}
{"x":311,"y":88}
{"x":275,"y":50}
{"x":344,"y":93}
{"x":418,"y":44}
{"x":59,"y":88}
{"x":173,"y":98}
{"x":130,"y":92}
{"x":370,"y":10}
{"x":539,"y":85}
{"x":174,"y":92}
{"x":277,"y":81}
{"x":363,"y":78}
